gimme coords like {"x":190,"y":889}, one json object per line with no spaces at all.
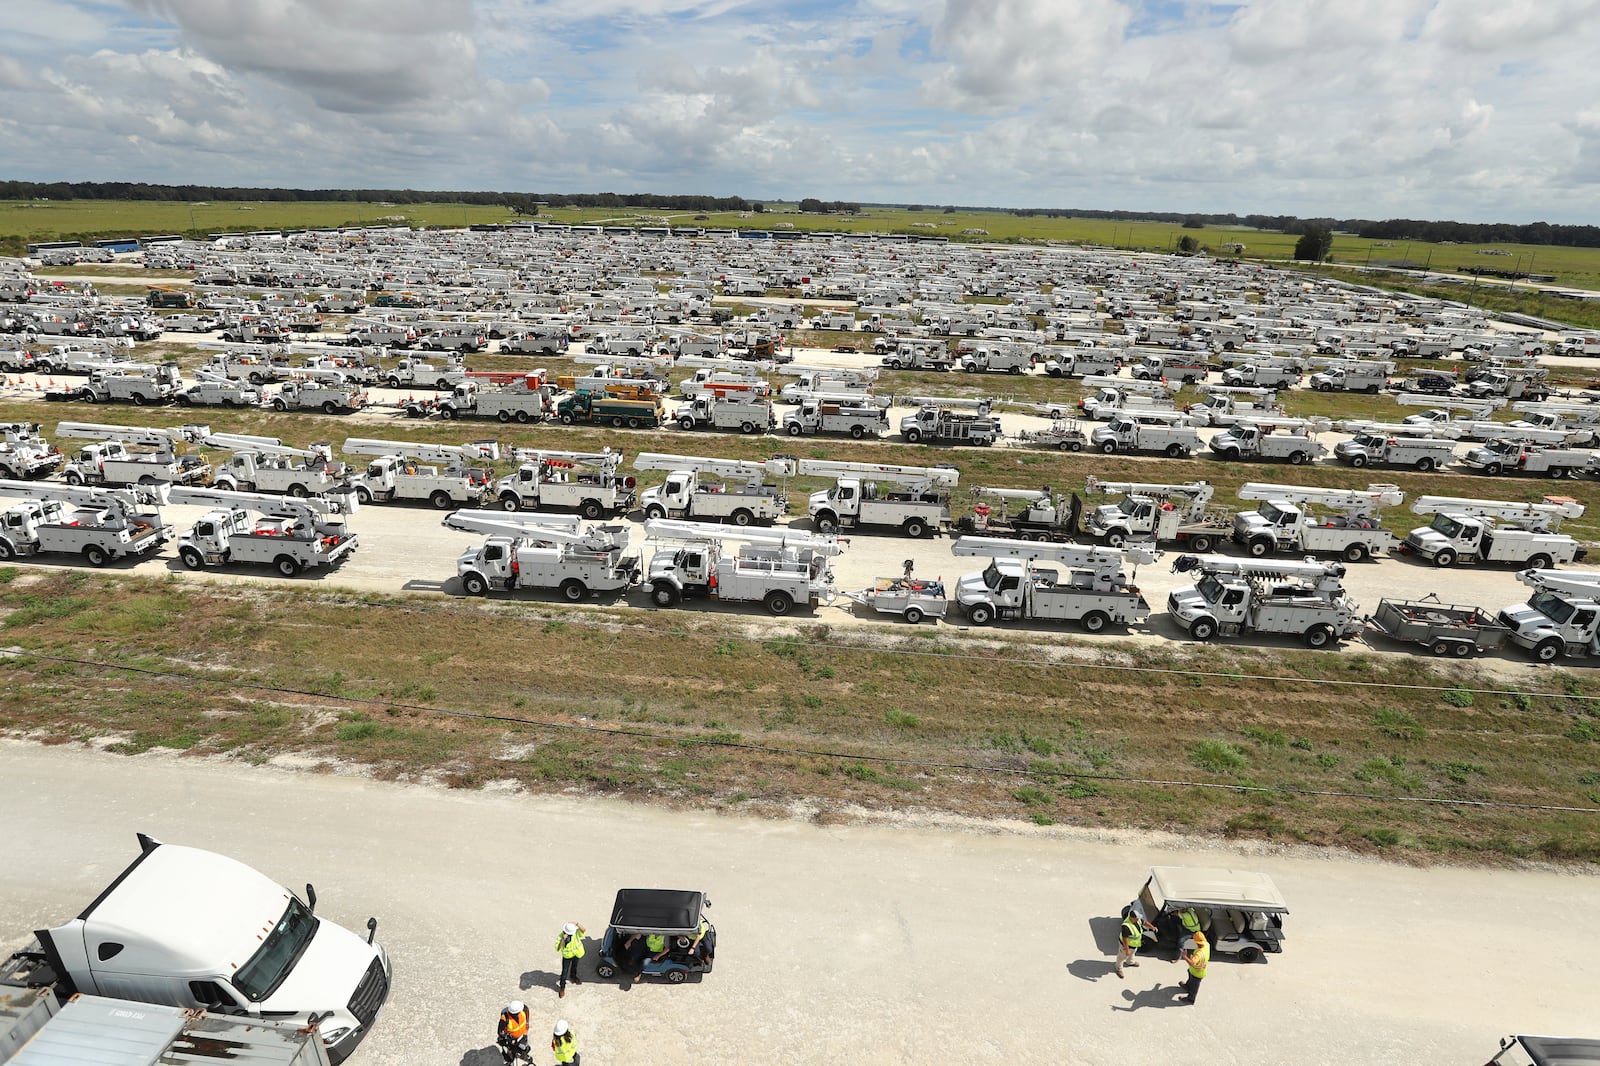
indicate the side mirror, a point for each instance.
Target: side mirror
{"x":372,"y":929}
{"x":311,"y":897}
{"x":705,"y":901}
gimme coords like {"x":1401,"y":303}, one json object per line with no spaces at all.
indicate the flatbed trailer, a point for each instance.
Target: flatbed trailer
{"x":1442,"y":628}
{"x":911,"y":598}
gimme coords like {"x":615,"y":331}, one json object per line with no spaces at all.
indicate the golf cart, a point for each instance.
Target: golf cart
{"x":671,"y":913}
{"x":1546,"y":1051}
{"x":1241,"y":913}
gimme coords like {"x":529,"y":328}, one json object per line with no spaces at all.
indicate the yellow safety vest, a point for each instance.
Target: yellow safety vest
{"x":655,"y":942}
{"x":1190,"y":920}
{"x":565,"y":1049}
{"x":1132,"y":931}
{"x":1198,"y":959}
{"x":570,"y":947}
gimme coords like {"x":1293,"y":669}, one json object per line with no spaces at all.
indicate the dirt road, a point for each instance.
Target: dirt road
{"x":900,"y":943}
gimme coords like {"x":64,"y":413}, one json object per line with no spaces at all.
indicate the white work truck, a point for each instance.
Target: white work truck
{"x":253,"y":364}
{"x":1092,"y":587}
{"x":1082,"y":362}
{"x":410,"y":371}
{"x":1495,"y":531}
{"x":586,"y":482}
{"x":1352,"y":377}
{"x":267,"y":465}
{"x":100,"y":524}
{"x":837,"y":413}
{"x":1288,"y":439}
{"x":196,"y":930}
{"x":941,"y":419}
{"x":113,"y":462}
{"x":330,"y":394}
{"x":1236,"y":596}
{"x":213,"y":390}
{"x":1562,"y":617}
{"x":1113,"y":394}
{"x":544,"y":552}
{"x":685,"y":495}
{"x":746,"y":413}
{"x":1167,"y":432}
{"x":527,"y":399}
{"x":1386,"y":444}
{"x":135,"y":383}
{"x":24,"y":453}
{"x":407,"y":470}
{"x":1158,"y":512}
{"x":1512,"y":455}
{"x":1265,"y":373}
{"x":1281,"y":523}
{"x":779,"y":569}
{"x":289,"y":533}
{"x":913,"y":499}
{"x":1223,"y":405}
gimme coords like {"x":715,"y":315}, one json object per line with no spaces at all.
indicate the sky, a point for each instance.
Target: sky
{"x":1475,"y":110}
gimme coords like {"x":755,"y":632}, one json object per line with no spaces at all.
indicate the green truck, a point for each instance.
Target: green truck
{"x":587,"y":407}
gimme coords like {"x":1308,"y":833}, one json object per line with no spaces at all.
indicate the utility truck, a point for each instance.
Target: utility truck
{"x":837,"y":413}
{"x":944,"y":418}
{"x":747,"y":414}
{"x":685,"y":495}
{"x":407,"y":470}
{"x":523,"y":400}
{"x":289,"y":533}
{"x":636,"y":413}
{"x":1116,"y":394}
{"x":114,"y":461}
{"x":98,"y":524}
{"x":1236,"y":596}
{"x":251,"y":364}
{"x":544,"y":552}
{"x":1352,"y":377}
{"x":778,"y":568}
{"x":1395,"y":444}
{"x":267,"y":465}
{"x":997,"y":358}
{"x":135,"y":383}
{"x":586,"y":482}
{"x":1223,"y":405}
{"x":1282,"y":524}
{"x":913,"y":499}
{"x":412,"y":371}
{"x":1082,"y":362}
{"x":1167,"y":432}
{"x":1181,"y":367}
{"x":1157,"y":512}
{"x":1494,"y":531}
{"x":1259,"y":437}
{"x":1562,"y":617}
{"x":214,"y":390}
{"x":24,"y":453}
{"x":327,"y":391}
{"x":1045,"y":515}
{"x":1265,"y":372}
{"x":1092,"y":587}
{"x":1515,"y":455}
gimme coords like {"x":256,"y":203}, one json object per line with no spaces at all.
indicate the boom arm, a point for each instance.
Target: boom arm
{"x":1547,"y":514}
{"x":304,"y":508}
{"x":672,"y":529}
{"x":1198,"y":491}
{"x":1259,"y":568}
{"x":240,"y":442}
{"x":153,"y":436}
{"x":554,"y":529}
{"x":778,"y":466}
{"x":941,"y":476}
{"x":124,"y":501}
{"x":1572,"y":582}
{"x":1065,"y":554}
{"x":473,"y":451}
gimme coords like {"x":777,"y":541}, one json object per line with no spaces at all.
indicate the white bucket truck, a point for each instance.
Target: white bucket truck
{"x":1396,"y":444}
{"x":685,"y":495}
{"x":1158,"y":512}
{"x":586,"y":482}
{"x":1494,"y":531}
{"x":1116,"y":394}
{"x":405,"y":470}
{"x":1281,"y":523}
{"x":1259,"y":437}
{"x":913,"y":499}
{"x":544,"y":552}
{"x":1167,"y":432}
{"x":1092,"y":587}
{"x":1236,"y":596}
{"x":100,"y":525}
{"x":290,"y":533}
{"x":266,"y":464}
{"x":779,"y":569}
{"x":113,"y":462}
{"x":1562,"y":617}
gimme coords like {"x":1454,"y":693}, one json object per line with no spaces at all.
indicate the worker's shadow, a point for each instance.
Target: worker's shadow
{"x":483,"y":1056}
{"x":1157,"y":997}
{"x":539,"y":979}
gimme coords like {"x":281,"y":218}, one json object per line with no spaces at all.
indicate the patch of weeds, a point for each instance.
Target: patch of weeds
{"x":1590,"y":778}
{"x":1099,"y":758}
{"x":1301,"y":743}
{"x":901,"y":719}
{"x":1255,"y":823}
{"x":726,"y":647}
{"x":1382,"y":836}
{"x":1218,"y":757}
{"x":1391,"y":770}
{"x":1033,"y":796}
{"x":1327,"y":760}
{"x":1458,"y":772}
{"x":1397,"y":724}
{"x":1040,"y":745}
{"x":1267,"y":738}
{"x":519,"y":701}
{"x":860,"y":772}
{"x":826,"y":673}
{"x":1457,"y":697}
{"x":1078,"y":789}
{"x":555,"y":626}
{"x":359,"y":729}
{"x":1521,"y":701}
{"x":8,"y":574}
{"x":1041,"y":819}
{"x":1588,"y":730}
{"x":812,"y":700}
{"x":35,"y":609}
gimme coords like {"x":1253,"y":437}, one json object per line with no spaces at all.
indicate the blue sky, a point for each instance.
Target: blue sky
{"x":1466,"y":109}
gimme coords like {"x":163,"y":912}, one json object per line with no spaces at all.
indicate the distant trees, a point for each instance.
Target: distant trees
{"x":812,"y":206}
{"x":1188,"y":244}
{"x":1194,"y":222}
{"x":1314,"y":244}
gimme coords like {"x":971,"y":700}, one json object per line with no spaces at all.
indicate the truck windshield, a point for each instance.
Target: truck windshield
{"x":1275,"y":515}
{"x":1128,"y":505}
{"x":267,"y":968}
{"x":1210,"y":588}
{"x":991,"y":577}
{"x":1552,"y":607}
{"x":1501,"y":447}
{"x":1368,"y":440}
{"x":1443,"y":523}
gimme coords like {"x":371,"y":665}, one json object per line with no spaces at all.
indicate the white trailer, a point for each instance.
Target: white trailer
{"x":906,"y":596}
{"x":1255,"y":437}
{"x":1282,"y":523}
{"x":405,"y":470}
{"x":685,"y":495}
{"x":1235,"y":596}
{"x":586,"y":482}
{"x":1167,"y":432}
{"x":780,"y":569}
{"x":113,"y":462}
{"x":267,"y":465}
{"x":1495,"y":531}
{"x":913,"y":499}
{"x":1092,"y":588}
{"x":292,"y":534}
{"x":544,"y":552}
{"x":1562,"y":617}
{"x":100,"y":524}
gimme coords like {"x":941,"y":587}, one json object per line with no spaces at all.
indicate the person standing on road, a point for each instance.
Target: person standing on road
{"x":1132,"y":939}
{"x":512,"y":1035}
{"x":1196,"y":953}
{"x":564,"y":1043}
{"x":569,"y":943}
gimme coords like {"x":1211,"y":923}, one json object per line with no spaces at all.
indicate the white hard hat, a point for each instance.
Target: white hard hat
{"x":570,"y":929}
{"x":515,"y":1007}
{"x":561,"y":1027}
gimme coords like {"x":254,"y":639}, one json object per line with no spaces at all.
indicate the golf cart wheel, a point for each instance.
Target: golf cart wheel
{"x":677,"y":977}
{"x":1250,"y":954}
{"x":605,"y":970}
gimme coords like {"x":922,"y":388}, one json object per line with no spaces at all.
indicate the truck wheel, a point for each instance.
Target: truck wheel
{"x":1094,"y":621}
{"x":826,"y":524}
{"x":915,"y":528}
{"x":394,"y":382}
{"x":655,"y":510}
{"x":363,"y":495}
{"x":1109,"y":447}
{"x":590,"y":509}
{"x":1115,"y":538}
{"x":894,"y":364}
{"x":87,"y":396}
{"x":980,"y":614}
{"x":139,"y":399}
{"x":1298,"y":458}
{"x":1493,"y":468}
{"x":747,"y":427}
{"x":1425,"y":464}
{"x":1202,"y":543}
{"x":1541,"y":561}
{"x":279,"y":405}
{"x":665,"y":594}
{"x":287,"y":566}
{"x":1072,"y":445}
{"x":1324,"y":388}
{"x":6,"y":550}
{"x":565,"y":418}
{"x":1318,"y":636}
{"x":1441,"y":648}
{"x":1358,"y":461}
{"x":1174,"y":450}
{"x":573,"y":590}
{"x":95,"y":555}
{"x":447,"y":413}
{"x":74,"y":478}
{"x":685,"y":423}
{"x":1202,"y":629}
{"x":256,"y":379}
{"x":617,"y":421}
{"x":1229,"y":456}
{"x":504,"y":417}
{"x":794,"y":429}
{"x":441,"y":500}
{"x":742,"y":517}
{"x":1444,"y":559}
{"x":510,"y":502}
{"x":192,"y":558}
{"x":858,"y":432}
{"x":1355,"y":553}
{"x":633,"y":423}
{"x":778,"y":603}
{"x":1261,"y":546}
{"x":1548,"y":650}
{"x":1372,"y":390}
{"x":912,"y":615}
{"x":913,"y":436}
{"x":1557,"y":472}
{"x":474,"y":584}
{"x":329,"y":407}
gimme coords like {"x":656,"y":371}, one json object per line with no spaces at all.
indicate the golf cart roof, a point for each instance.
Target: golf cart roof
{"x":1206,"y":887}
{"x":1561,"y":1050}
{"x":656,"y":910}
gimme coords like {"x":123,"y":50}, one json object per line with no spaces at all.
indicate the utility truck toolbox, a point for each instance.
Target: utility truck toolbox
{"x":192,"y":929}
{"x":674,"y":915}
{"x":1241,"y":913}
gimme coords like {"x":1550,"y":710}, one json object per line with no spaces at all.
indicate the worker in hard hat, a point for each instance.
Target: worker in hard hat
{"x":1195,"y":953}
{"x":513,"y":1033}
{"x":564,"y":1043}
{"x":569,"y":945}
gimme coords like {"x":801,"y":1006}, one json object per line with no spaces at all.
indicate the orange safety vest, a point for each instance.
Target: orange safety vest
{"x":516,"y":1024}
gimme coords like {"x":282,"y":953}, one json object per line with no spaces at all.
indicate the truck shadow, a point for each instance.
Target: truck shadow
{"x":448,"y":587}
{"x":264,"y":570}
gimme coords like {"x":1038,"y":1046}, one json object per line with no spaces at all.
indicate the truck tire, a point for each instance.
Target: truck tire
{"x":1547,"y":650}
{"x":1426,"y":464}
{"x":913,"y":435}
{"x":6,"y":550}
{"x":1358,"y":461}
{"x":573,"y":590}
{"x":858,"y":432}
{"x":394,"y":381}
{"x":446,"y":413}
{"x":504,"y":417}
{"x":1318,"y":636}
{"x":1462,"y":648}
{"x":1094,"y":621}
{"x":565,"y":418}
{"x":1539,"y":561}
{"x":1441,"y":647}
{"x":363,"y":495}
{"x":980,"y":614}
{"x":794,"y":429}
{"x":279,"y":405}
{"x":474,"y":583}
{"x":617,"y":421}
{"x":742,"y":517}
{"x":1261,"y":546}
{"x":329,"y":407}
{"x":510,"y":502}
{"x":912,"y":615}
{"x":1231,"y":455}
{"x":287,"y":565}
{"x":1324,"y":388}
{"x":1493,"y":468}
{"x":685,"y":423}
{"x":74,"y":478}
{"x":1072,"y":445}
{"x":655,"y":510}
{"x":139,"y":399}
{"x":634,"y":423}
{"x":1355,"y":553}
{"x":1174,"y":450}
{"x":87,"y":396}
{"x":299,"y":490}
{"x":95,"y":555}
{"x":1299,"y":458}
{"x":1203,"y":629}
{"x":826,"y":524}
{"x":1114,"y":538}
{"x":441,"y":500}
{"x":192,"y":558}
{"x":255,"y":378}
{"x":915,"y":528}
{"x":747,"y":427}
{"x":778,"y":603}
{"x":1444,"y":559}
{"x":1372,"y":390}
{"x":665,"y":594}
{"x":1557,"y":472}
{"x":894,"y":364}
{"x":1109,"y":447}
{"x":590,"y":509}
{"x":1202,"y":543}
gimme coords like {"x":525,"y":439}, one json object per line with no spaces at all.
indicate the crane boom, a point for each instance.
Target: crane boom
{"x":265,"y":503}
{"x":981,"y":404}
{"x":150,"y":435}
{"x":674,"y":529}
{"x":1257,"y":392}
{"x":941,"y":476}
{"x":124,"y":500}
{"x":1424,"y":431}
{"x":1065,"y":554}
{"x":1313,"y":424}
{"x":552,"y":529}
{"x":1354,"y":501}
{"x":242,"y":442}
{"x":1572,"y":582}
{"x":607,"y":460}
{"x":1259,"y":568}
{"x":1552,"y":508}
{"x":470,"y":451}
{"x":1477,"y":408}
{"x":777,"y":466}
{"x":1130,"y":385}
{"x":1199,"y":491}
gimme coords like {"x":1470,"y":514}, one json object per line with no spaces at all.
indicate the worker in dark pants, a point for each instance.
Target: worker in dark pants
{"x":569,"y":944}
{"x":1196,"y":954}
